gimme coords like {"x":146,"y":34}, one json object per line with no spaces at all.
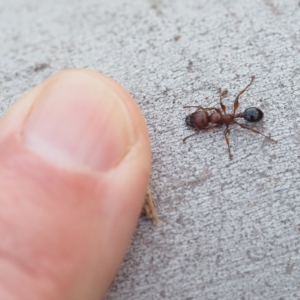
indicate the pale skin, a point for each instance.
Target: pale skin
{"x":74,"y":169}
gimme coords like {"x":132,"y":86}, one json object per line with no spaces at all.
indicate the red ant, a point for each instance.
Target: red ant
{"x":200,"y":119}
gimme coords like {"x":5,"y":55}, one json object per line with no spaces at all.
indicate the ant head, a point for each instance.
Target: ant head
{"x":253,"y":114}
{"x":188,"y":121}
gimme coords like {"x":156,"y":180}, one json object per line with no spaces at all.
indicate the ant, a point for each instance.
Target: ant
{"x":200,"y":119}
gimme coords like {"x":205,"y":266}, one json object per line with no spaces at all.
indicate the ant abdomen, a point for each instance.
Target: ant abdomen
{"x":253,"y":114}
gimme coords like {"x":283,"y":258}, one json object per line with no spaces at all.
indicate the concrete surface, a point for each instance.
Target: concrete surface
{"x":231,"y":228}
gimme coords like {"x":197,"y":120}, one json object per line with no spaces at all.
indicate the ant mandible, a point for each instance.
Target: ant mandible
{"x":200,"y":119}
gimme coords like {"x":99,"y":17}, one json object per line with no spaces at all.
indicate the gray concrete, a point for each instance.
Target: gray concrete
{"x":231,"y":228}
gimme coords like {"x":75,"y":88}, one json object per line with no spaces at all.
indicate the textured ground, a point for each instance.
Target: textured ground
{"x":231,"y":228}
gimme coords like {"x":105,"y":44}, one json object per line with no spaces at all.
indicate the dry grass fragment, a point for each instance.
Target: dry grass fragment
{"x":149,"y":209}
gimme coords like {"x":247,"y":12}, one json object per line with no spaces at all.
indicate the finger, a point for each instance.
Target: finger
{"x":74,"y":168}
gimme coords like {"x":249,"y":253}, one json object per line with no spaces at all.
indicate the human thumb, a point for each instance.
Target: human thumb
{"x":74,"y":168}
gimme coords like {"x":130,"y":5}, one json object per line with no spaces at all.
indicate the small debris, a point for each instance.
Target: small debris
{"x":41,"y":67}
{"x":149,"y":209}
{"x":177,"y":37}
{"x":223,"y":92}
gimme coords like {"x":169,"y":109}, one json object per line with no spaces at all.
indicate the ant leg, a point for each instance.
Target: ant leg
{"x":221,"y":98}
{"x":189,"y":106}
{"x":198,"y":130}
{"x":213,"y":127}
{"x":254,"y":130}
{"x":226,"y":133}
{"x":236,"y":101}
{"x":213,"y":108}
{"x":199,"y":107}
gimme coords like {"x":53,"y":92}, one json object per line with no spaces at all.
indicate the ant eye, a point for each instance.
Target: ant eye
{"x":188,"y":121}
{"x":253,"y":114}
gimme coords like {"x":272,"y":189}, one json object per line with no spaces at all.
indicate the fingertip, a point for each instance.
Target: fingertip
{"x":79,"y":162}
